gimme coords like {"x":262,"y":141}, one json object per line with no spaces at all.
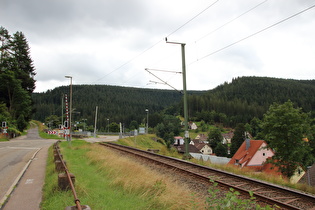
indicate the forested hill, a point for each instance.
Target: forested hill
{"x":230,"y":103}
{"x":118,"y":104}
{"x":248,"y":97}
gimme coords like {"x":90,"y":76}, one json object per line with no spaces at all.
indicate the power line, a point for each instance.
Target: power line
{"x":129,"y":61}
{"x":193,"y":18}
{"x":260,"y":31}
{"x":163,"y":82}
{"x":132,"y":59}
{"x":230,"y":21}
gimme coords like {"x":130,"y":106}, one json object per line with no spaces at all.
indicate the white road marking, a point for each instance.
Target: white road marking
{"x":29,"y":181}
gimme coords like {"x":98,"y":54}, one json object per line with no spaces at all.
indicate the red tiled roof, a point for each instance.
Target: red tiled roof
{"x":243,"y":155}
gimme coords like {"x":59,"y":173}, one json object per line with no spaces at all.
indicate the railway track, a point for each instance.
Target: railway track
{"x":271,"y":194}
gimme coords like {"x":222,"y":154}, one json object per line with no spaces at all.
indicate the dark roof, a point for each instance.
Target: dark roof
{"x":191,"y":148}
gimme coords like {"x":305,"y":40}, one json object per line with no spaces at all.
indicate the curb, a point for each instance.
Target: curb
{"x":18,"y":178}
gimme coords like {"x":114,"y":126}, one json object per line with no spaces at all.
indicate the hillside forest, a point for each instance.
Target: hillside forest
{"x":241,"y":101}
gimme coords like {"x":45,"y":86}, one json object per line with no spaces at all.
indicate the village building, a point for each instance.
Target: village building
{"x":204,"y":148}
{"x":227,"y":137}
{"x":252,"y":153}
{"x":309,"y":176}
{"x":178,"y":140}
{"x":198,"y":145}
{"x":191,"y":149}
{"x":202,"y":137}
{"x":192,"y":126}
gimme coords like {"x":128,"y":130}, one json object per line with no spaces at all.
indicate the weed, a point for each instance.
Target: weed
{"x":231,"y":200}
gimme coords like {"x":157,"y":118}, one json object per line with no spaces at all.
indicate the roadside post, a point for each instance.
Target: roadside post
{"x":4,"y":128}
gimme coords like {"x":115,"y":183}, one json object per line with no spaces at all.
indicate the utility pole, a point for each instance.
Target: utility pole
{"x":62,"y":96}
{"x":186,"y":138}
{"x":147,"y":110}
{"x":70,"y":126}
{"x":95,"y":122}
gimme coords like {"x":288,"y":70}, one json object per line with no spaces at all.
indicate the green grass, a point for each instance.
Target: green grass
{"x":150,"y":141}
{"x":92,"y":186}
{"x":103,"y":184}
{"x":3,"y":139}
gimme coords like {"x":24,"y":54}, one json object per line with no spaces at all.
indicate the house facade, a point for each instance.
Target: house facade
{"x":202,"y":146}
{"x":178,"y":140}
{"x":252,"y":153}
{"x":227,"y":137}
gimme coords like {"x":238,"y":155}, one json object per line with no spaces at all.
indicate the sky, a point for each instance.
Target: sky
{"x":112,"y":42}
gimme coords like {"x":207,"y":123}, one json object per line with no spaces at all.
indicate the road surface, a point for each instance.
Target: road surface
{"x":15,"y":156}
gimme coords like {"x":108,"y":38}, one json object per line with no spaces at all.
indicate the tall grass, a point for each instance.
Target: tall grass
{"x":149,"y":141}
{"x":145,"y":142}
{"x":276,"y":179}
{"x":106,"y":180}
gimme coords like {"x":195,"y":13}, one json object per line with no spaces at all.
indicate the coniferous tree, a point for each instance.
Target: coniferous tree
{"x":215,"y":137}
{"x":16,"y":77}
{"x":25,"y":68}
{"x":238,"y":138}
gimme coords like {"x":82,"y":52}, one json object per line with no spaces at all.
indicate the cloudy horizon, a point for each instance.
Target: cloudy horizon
{"x":112,"y":42}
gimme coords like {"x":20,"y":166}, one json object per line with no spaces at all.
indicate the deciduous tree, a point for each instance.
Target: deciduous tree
{"x":284,"y":128}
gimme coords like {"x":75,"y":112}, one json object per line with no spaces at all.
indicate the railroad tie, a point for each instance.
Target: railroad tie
{"x":258,"y":188}
{"x":290,"y":201}
{"x":241,"y":185}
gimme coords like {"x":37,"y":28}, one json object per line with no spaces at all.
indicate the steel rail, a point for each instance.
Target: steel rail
{"x":76,"y":199}
{"x":222,"y":183}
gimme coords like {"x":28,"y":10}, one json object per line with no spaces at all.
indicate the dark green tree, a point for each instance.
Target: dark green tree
{"x":284,"y":128}
{"x":21,"y":123}
{"x":25,"y":70}
{"x":255,"y":127}
{"x":133,"y":125}
{"x":16,"y":77}
{"x":238,"y":138}
{"x":114,"y":127}
{"x":53,"y":121}
{"x":221,"y":150}
{"x":215,"y":137}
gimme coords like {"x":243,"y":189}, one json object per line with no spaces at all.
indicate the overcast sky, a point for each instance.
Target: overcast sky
{"x":111,"y":42}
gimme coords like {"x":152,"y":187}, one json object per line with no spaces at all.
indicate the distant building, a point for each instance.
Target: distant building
{"x":178,"y":140}
{"x":252,"y":153}
{"x":202,"y":137}
{"x":192,"y":126}
{"x":202,"y":146}
{"x":227,"y":137}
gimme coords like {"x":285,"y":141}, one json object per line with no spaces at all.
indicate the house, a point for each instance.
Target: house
{"x":309,"y":176}
{"x":271,"y":169}
{"x":178,"y":140}
{"x":192,"y":126}
{"x":202,"y":137}
{"x":252,"y":153}
{"x":202,"y":147}
{"x":191,"y":148}
{"x":227,"y":137}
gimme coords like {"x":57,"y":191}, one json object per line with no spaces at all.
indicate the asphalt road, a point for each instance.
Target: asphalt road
{"x":15,"y":156}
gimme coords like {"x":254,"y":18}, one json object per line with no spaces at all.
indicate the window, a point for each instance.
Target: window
{"x":264,"y":154}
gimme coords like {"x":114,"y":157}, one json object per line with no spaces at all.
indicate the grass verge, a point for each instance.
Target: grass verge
{"x":145,"y":142}
{"x":106,"y":180}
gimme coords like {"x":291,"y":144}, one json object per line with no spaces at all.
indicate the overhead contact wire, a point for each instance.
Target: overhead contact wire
{"x":260,"y":31}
